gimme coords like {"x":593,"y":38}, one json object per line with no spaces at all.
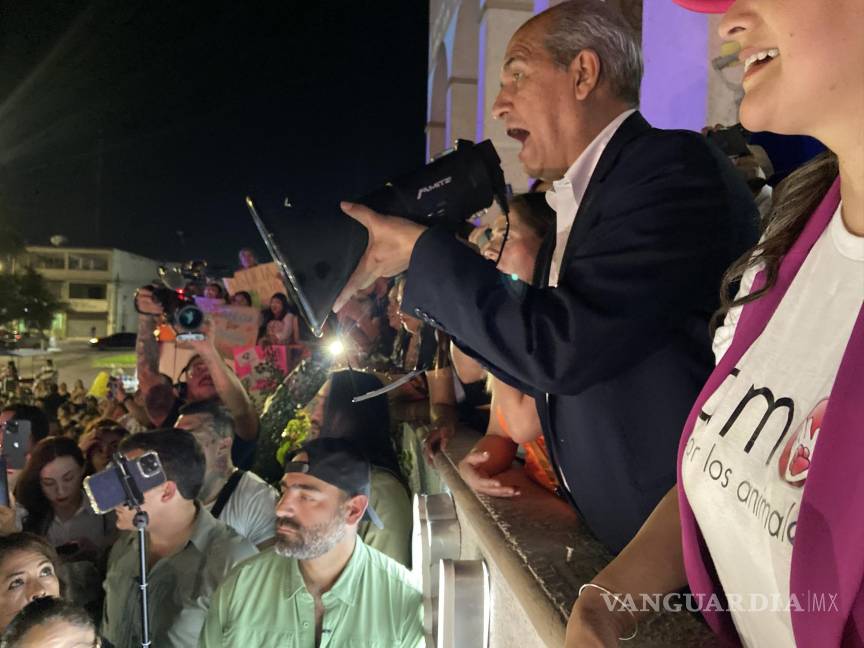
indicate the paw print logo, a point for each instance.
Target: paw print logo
{"x":797,"y":455}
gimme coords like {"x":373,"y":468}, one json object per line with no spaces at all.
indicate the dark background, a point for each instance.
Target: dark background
{"x":124,"y":121}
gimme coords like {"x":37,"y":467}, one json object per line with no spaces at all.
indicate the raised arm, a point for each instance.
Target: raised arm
{"x":227,"y":386}
{"x":146,"y":346}
{"x":231,"y":392}
{"x":648,"y":264}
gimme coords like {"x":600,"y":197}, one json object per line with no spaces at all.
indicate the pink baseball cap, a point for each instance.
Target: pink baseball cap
{"x":706,"y":6}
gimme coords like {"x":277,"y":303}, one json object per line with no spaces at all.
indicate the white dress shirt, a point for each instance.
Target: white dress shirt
{"x":567,"y":193}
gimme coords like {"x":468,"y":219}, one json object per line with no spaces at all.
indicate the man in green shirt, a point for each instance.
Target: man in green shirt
{"x":189,"y":551}
{"x":319,"y":586}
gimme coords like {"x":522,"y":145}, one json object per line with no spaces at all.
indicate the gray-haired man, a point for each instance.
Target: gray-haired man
{"x":613,"y":345}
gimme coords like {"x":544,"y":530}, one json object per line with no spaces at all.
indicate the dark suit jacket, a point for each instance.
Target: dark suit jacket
{"x":616,"y":354}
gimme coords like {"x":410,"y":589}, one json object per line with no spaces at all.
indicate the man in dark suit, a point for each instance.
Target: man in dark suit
{"x":615,"y":344}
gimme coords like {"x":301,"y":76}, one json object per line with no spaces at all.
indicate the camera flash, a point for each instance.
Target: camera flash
{"x":336,"y":347}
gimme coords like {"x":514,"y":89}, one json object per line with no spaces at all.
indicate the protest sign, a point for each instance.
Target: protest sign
{"x":262,"y":282}
{"x":261,"y":369}
{"x":230,"y":326}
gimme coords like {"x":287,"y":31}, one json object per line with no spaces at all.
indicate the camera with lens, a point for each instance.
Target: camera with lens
{"x":447,"y":191}
{"x":178,"y":309}
{"x":124,"y":482}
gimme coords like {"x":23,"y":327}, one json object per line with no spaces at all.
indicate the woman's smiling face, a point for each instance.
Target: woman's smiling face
{"x":804,"y":61}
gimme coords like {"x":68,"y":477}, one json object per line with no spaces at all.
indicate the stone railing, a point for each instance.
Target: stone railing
{"x":505,"y":572}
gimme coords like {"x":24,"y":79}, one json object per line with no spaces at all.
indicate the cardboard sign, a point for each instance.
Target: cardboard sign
{"x":209,"y":304}
{"x":230,"y":326}
{"x":263,"y":281}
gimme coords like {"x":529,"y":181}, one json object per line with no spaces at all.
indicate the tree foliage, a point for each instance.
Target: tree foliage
{"x":25,"y":296}
{"x":11,"y":242}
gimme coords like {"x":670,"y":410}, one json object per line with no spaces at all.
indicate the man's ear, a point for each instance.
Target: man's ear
{"x":585,"y":71}
{"x":169,"y":491}
{"x":355,"y":507}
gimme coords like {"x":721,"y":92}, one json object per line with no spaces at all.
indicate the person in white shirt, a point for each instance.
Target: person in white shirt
{"x":240,"y":499}
{"x":764,"y":523}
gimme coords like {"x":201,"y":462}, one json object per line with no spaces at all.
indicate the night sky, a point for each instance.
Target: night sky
{"x":123,"y":121}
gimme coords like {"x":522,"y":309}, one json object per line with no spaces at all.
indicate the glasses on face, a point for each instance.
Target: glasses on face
{"x":197,"y":369}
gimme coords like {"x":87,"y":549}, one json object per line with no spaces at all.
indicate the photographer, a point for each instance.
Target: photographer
{"x":190,"y":552}
{"x":207,"y":378}
{"x":615,"y":346}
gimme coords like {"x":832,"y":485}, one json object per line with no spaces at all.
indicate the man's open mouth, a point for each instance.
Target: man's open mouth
{"x":518,"y":134}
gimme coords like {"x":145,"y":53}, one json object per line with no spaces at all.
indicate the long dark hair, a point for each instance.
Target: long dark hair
{"x":267,"y":315}
{"x":287,"y":308}
{"x":366,"y":423}
{"x":795,"y":199}
{"x":23,"y":541}
{"x":29,"y":489}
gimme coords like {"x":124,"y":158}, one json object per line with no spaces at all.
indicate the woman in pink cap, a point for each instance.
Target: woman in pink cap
{"x":766,"y":523}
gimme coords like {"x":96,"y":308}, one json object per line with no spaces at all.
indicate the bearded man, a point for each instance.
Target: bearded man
{"x":319,"y":585}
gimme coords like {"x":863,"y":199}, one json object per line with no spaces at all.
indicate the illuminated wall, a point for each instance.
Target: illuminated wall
{"x":467,"y":40}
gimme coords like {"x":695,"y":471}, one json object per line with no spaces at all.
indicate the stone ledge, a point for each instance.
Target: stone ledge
{"x":538,"y":543}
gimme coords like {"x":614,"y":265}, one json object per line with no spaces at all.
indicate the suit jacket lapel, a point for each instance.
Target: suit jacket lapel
{"x":634,"y":126}
{"x":544,"y":259}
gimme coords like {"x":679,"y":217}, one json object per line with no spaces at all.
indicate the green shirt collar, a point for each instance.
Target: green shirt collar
{"x":345,"y":587}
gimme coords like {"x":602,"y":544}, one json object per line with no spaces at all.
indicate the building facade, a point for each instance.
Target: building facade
{"x":96,"y":284}
{"x":468,"y":38}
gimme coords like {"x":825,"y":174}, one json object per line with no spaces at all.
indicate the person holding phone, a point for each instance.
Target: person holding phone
{"x":21,"y":426}
{"x":50,"y":491}
{"x":190,"y":551}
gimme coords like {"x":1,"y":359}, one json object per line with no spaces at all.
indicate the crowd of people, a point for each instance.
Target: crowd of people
{"x":638,"y":290}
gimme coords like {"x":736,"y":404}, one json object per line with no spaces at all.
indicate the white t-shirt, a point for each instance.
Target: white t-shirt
{"x":746,"y":464}
{"x":251,"y":509}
